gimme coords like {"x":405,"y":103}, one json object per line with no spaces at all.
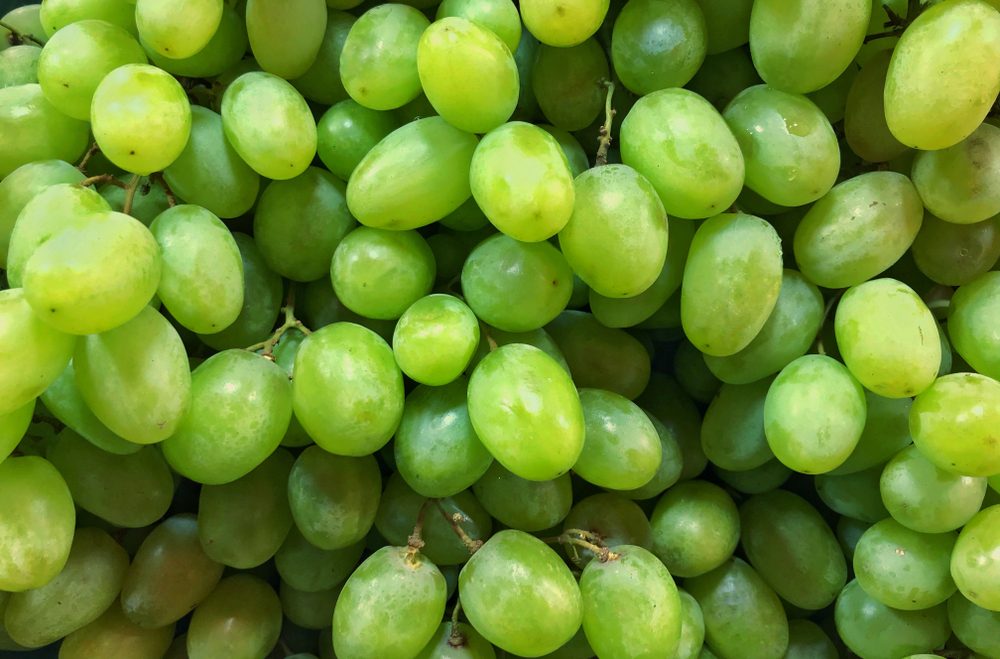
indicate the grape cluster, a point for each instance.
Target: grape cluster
{"x":637,"y":329}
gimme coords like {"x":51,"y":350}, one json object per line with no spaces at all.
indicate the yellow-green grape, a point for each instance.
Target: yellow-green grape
{"x":616,"y":238}
{"x":32,"y":354}
{"x":972,"y":320}
{"x":926,"y":108}
{"x":954,"y":423}
{"x":692,"y":635}
{"x":974,"y":562}
{"x":222,"y":52}
{"x":657,"y":45}
{"x":468,"y":74}
{"x":269,"y":124}
{"x":956,"y":254}
{"x":416,"y":175}
{"x":727,"y":23}
{"x":859,"y":229}
{"x":285,"y":35}
{"x":865,"y":127}
{"x":378,"y":65}
{"x":114,"y":635}
{"x":321,"y":82}
{"x":13,"y":426}
{"x":241,"y":618}
{"x":36,"y":523}
{"x":959,"y":184}
{"x":871,"y":629}
{"x":521,"y":180}
{"x":177,"y":28}
{"x":565,"y":23}
{"x":814,"y":414}
{"x":621,"y":448}
{"x":524,"y":504}
{"x":820,"y":37}
{"x":696,"y":528}
{"x":19,"y":65}
{"x":669,"y":470}
{"x":34,"y":129}
{"x":435,"y":338}
{"x":569,"y":84}
{"x":498,"y":16}
{"x":57,"y":14}
{"x":976,"y":627}
{"x":347,"y":132}
{"x":75,"y":61}
{"x":95,"y":276}
{"x":678,"y":141}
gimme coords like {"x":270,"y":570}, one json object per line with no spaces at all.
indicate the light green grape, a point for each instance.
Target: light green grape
{"x":20,"y":186}
{"x":732,"y":430}
{"x":526,"y":411}
{"x":321,"y":82}
{"x":386,"y":192}
{"x":925,"y":109}
{"x":958,"y":184}
{"x":974,"y":562}
{"x":57,"y":14}
{"x":887,"y":431}
{"x":286,"y":35}
{"x":241,"y":618}
{"x":269,"y":125}
{"x":621,"y":448}
{"x":457,"y":641}
{"x":177,"y":28}
{"x":658,"y":45}
{"x":347,"y":132}
{"x":865,"y":127}
{"x":499,"y":16}
{"x":696,"y":528}
{"x":854,"y":495}
{"x":568,"y":84}
{"x":548,"y":22}
{"x":435,"y":338}
{"x":678,"y":141}
{"x":572,"y":149}
{"x":13,"y":426}
{"x":113,"y":634}
{"x":972,"y":319}
{"x":976,"y":627}
{"x":692,"y":635}
{"x":35,"y":130}
{"x":524,"y":504}
{"x":956,"y":254}
{"x":871,"y":629}
{"x":308,"y":568}
{"x":222,"y":52}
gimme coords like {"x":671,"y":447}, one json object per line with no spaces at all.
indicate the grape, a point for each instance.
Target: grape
{"x":130,"y":491}
{"x":321,"y":82}
{"x":724,"y":75}
{"x":925,"y":109}
{"x":731,"y":282}
{"x":241,"y":618}
{"x":25,"y":21}
{"x":954,"y":423}
{"x":435,"y":338}
{"x":769,"y":476}
{"x":886,"y":433}
{"x":378,"y":64}
{"x":222,"y":52}
{"x":855,"y":495}
{"x":285,"y":36}
{"x":726,"y":23}
{"x":526,"y":411}
{"x":806,"y":640}
{"x":871,"y":629}
{"x":348,"y":131}
{"x":209,"y":172}
{"x":57,"y":14}
{"x":972,"y":319}
{"x":35,"y":130}
{"x":519,"y":595}
{"x":696,"y":528}
{"x":572,"y":149}
{"x":114,"y":635}
{"x":670,"y":467}
{"x":311,"y":610}
{"x":63,"y":399}
{"x":568,"y":84}
{"x":621,"y":449}
{"x":521,"y":180}
{"x":499,"y":16}
{"x":849,"y":531}
{"x":974,"y":562}
{"x":976,"y":627}
{"x":523,"y":504}
{"x":743,"y":617}
{"x":832,"y":98}
{"x":333,"y":498}
{"x":13,"y":426}
{"x":308,"y":568}
{"x":549,"y":24}
{"x":87,"y":585}
{"x":457,"y":641}
{"x":269,"y":125}
{"x":864,"y":115}
{"x":177,"y":28}
{"x":21,"y":186}
{"x":732,"y":430}
{"x":391,"y":606}
{"x":957,"y":184}
{"x":693,"y":374}
{"x":614,"y":519}
{"x":956,"y":254}
{"x":820,"y":37}
{"x":524,"y":57}
{"x":657,"y":45}
{"x":385,"y":192}
{"x":692,"y":634}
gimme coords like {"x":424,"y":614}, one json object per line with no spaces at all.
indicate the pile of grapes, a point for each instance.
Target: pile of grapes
{"x":641,"y":329}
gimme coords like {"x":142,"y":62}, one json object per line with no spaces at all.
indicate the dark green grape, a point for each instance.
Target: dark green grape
{"x":665,"y":400}
{"x":114,"y":635}
{"x":732,"y":430}
{"x":347,"y":132}
{"x":871,"y":629}
{"x":567,"y":83}
{"x":696,"y":528}
{"x":724,"y":75}
{"x":976,"y":627}
{"x":656,"y":45}
{"x":670,"y":468}
{"x":306,"y":567}
{"x":865,"y":127}
{"x":621,"y":448}
{"x":321,"y":82}
{"x":886,"y":432}
{"x":524,"y":504}
{"x":855,"y":495}
{"x":769,"y":476}
{"x":807,"y":640}
{"x":241,"y":618}
{"x":849,"y":531}
{"x":308,"y":609}
{"x":956,"y":254}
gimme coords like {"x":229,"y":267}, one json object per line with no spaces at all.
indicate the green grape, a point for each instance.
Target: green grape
{"x":384,"y":191}
{"x":269,"y":125}
{"x":976,"y":627}
{"x":286,"y":36}
{"x":87,"y":585}
{"x":170,"y":574}
{"x":954,"y":422}
{"x":865,"y":126}
{"x":209,"y":172}
{"x":57,"y":14}
{"x":692,"y":635}
{"x":524,"y":504}
{"x":786,"y":335}
{"x":821,"y":38}
{"x":567,"y":83}
{"x":957,"y":184}
{"x":499,"y":16}
{"x":814,"y":414}
{"x":849,"y":531}
{"x":348,"y":131}
{"x":148,"y":201}
{"x":140,"y":117}
{"x":724,"y":75}
{"x":670,"y":468}
{"x":308,"y":568}
{"x":333,"y":498}
{"x":178,"y":28}
{"x":549,"y":24}
{"x":526,"y":411}
{"x":975,"y":562}
{"x":614,"y":519}
{"x":902,"y":568}
{"x":693,"y":374}
{"x":972,"y":319}
{"x":13,"y":426}
{"x":696,"y":528}
{"x":657,"y":45}
{"x":806,"y":640}
{"x":678,"y":141}
{"x":321,"y":82}
{"x":732,"y":430}
{"x":35,"y":130}
{"x":435,"y":338}
{"x":731,"y":282}
{"x":347,"y":391}
{"x":956,"y":254}
{"x":379,"y":273}
{"x":859,"y":229}
{"x":21,"y":186}
{"x":854,"y":495}
{"x":457,"y":641}
{"x":378,"y":64}
{"x":241,"y":618}
{"x":36,"y":523}
{"x":572,"y":149}
{"x":224,"y":50}
{"x":390,"y":607}
{"x":925,"y":109}
{"x":129,"y":491}
{"x":309,"y":610}
{"x":32,"y":354}
{"x":621,"y":449}
{"x":114,"y":635}
{"x":520,"y":178}
{"x":619,"y":217}
{"x":769,"y":476}
{"x":871,"y":629}
{"x":241,"y":405}
{"x":519,"y":595}
{"x":243,"y":523}
{"x":632,"y":580}
{"x":524,"y":57}
{"x":791,"y":152}
{"x":78,"y":57}
{"x":832,"y":99}
{"x":886,"y":432}
{"x":25,"y":20}
{"x":743,"y":617}
{"x":538,"y":338}
{"x":399,"y":510}
{"x":726,"y":23}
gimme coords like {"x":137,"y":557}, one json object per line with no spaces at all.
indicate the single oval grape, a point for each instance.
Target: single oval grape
{"x":865,"y":127}
{"x":871,"y":629}
{"x":732,"y":430}
{"x":621,"y":448}
{"x":241,"y":618}
{"x":549,"y":24}
{"x":435,"y":338}
{"x":972,"y":319}
{"x":976,"y":627}
{"x":306,"y":567}
{"x":956,"y":254}
{"x":657,"y":45}
{"x":523,"y":504}
{"x":974,"y":562}
{"x":224,"y":50}
{"x":499,"y":16}
{"x":35,"y":130}
{"x":113,"y":634}
{"x":958,"y":184}
{"x":347,"y":132}
{"x":696,"y":528}
{"x":177,"y":28}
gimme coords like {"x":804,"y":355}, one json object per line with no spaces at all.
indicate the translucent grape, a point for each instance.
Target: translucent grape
{"x":34,"y":129}
{"x":972,"y":323}
{"x":524,"y":504}
{"x":177,"y":28}
{"x":13,"y":426}
{"x":57,"y":14}
{"x":657,"y":45}
{"x":871,"y":629}
{"x":347,"y":132}
{"x":548,"y":22}
{"x":435,"y":338}
{"x":21,"y":185}
{"x":696,"y":528}
{"x":241,"y":618}
{"x":975,"y":562}
{"x":670,"y":467}
{"x":621,"y":448}
{"x":285,"y":36}
{"x":222,"y":52}
{"x":499,"y":16}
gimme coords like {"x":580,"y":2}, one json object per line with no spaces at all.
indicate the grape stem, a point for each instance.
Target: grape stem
{"x":99,"y":179}
{"x":16,"y":38}
{"x":82,"y":165}
{"x":455,"y":522}
{"x":130,"y":189}
{"x":290,"y":322}
{"x":456,"y":638}
{"x":157,"y":178}
{"x":586,"y":540}
{"x":415,"y":542}
{"x":897,"y":23}
{"x":604,"y":139}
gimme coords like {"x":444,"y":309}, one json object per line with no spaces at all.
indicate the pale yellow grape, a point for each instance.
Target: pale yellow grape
{"x":177,"y":28}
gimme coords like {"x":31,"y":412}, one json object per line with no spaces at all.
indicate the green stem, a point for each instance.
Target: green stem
{"x":290,"y":322}
{"x":157,"y":178}
{"x":82,"y":166}
{"x":99,"y":179}
{"x":604,"y":141}
{"x":130,"y":189}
